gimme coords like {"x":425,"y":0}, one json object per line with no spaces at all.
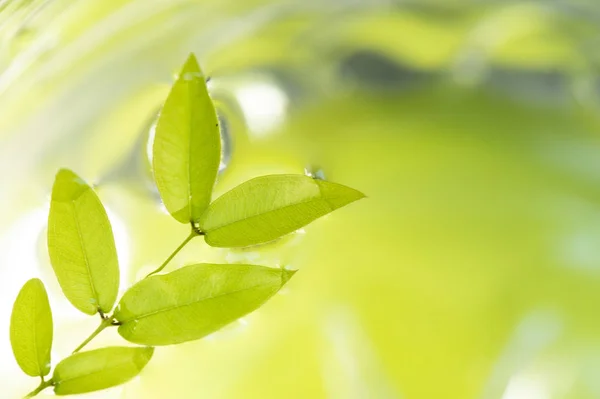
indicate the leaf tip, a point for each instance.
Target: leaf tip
{"x":64,"y":172}
{"x":35,"y":281}
{"x":144,"y":356}
{"x":359,"y":195}
{"x":337,"y":195}
{"x":286,"y":275}
{"x":67,"y":185}
{"x":191,"y":65}
{"x":192,"y":58}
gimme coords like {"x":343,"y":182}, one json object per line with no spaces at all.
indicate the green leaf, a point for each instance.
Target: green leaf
{"x":268,"y":207}
{"x":99,"y":369}
{"x":187,"y":146}
{"x":31,"y":329}
{"x":194,"y":301}
{"x":81,"y":245}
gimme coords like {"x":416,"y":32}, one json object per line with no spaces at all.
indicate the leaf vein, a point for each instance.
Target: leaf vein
{"x":213,"y":230}
{"x":191,"y":303}
{"x":85,"y":255}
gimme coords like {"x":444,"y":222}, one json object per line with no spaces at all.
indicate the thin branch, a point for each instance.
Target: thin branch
{"x":179,"y":248}
{"x":43,"y":385}
{"x":106,"y":322}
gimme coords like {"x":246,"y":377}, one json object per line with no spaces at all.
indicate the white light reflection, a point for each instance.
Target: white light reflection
{"x":123,"y":247}
{"x":535,"y":333}
{"x":264,"y":105}
{"x":351,"y":367}
{"x":525,"y":387}
{"x":150,"y":142}
{"x":492,"y":32}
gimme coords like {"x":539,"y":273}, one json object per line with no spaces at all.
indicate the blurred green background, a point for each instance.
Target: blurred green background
{"x":471,"y":271}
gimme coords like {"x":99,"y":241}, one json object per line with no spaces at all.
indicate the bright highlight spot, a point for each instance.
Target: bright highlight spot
{"x":122,"y":245}
{"x":524,"y":387}
{"x":264,"y":106}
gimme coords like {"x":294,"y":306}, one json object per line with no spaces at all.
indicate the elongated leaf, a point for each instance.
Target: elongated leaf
{"x":268,"y":207}
{"x":99,"y":369}
{"x":31,"y":329}
{"x":194,"y":301}
{"x":187,"y":146}
{"x":81,"y":245}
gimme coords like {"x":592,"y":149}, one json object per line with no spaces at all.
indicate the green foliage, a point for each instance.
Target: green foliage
{"x":180,"y":306}
{"x":31,"y":329}
{"x":81,"y":245}
{"x":99,"y":369}
{"x":187,"y":146}
{"x":194,"y":301}
{"x":268,"y":207}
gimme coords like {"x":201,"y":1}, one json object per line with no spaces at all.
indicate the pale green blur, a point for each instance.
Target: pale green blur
{"x":470,"y":271}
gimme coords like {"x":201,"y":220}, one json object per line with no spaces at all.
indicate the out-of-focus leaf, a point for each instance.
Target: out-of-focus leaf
{"x":194,"y":301}
{"x":268,"y":207}
{"x":99,"y":369}
{"x":31,"y":329}
{"x":81,"y":245}
{"x":187,"y":146}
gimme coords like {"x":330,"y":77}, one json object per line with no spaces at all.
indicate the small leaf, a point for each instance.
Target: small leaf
{"x":99,"y":369}
{"x":187,"y":146}
{"x":31,"y":329}
{"x":194,"y":301}
{"x":81,"y":245}
{"x":268,"y":207}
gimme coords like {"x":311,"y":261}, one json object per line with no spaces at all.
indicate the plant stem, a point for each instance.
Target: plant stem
{"x":179,"y":248}
{"x":109,"y":321}
{"x":106,"y":322}
{"x":43,"y":385}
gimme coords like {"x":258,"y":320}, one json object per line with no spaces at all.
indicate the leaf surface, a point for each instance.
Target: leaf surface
{"x":187,"y":146}
{"x":99,"y":369}
{"x":31,"y":329}
{"x":81,"y":245}
{"x":268,"y":207}
{"x":194,"y":301}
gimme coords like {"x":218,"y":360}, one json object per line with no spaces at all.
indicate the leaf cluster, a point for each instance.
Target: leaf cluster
{"x":162,"y":309}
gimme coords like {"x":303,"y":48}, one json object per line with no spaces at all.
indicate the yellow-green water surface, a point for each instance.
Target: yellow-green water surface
{"x":470,"y":271}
